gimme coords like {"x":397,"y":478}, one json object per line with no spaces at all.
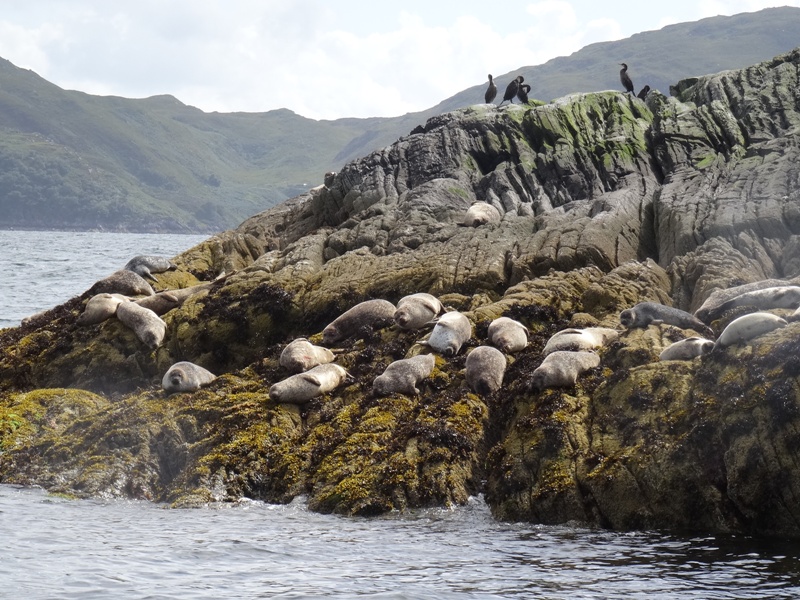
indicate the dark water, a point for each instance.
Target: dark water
{"x":56,"y":548}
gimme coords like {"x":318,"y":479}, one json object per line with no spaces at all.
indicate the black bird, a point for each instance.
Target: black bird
{"x":522,"y":92}
{"x":512,"y":89}
{"x":643,"y":92}
{"x":625,"y":79}
{"x":491,"y":91}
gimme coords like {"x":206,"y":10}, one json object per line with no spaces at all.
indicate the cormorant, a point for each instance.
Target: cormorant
{"x":522,"y":92}
{"x":491,"y":91}
{"x":625,"y":79}
{"x":643,"y":92}
{"x":511,"y":90}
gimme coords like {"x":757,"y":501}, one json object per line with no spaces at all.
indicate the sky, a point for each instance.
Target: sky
{"x":320,"y":59}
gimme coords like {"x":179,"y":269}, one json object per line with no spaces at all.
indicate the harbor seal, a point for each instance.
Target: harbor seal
{"x":747,"y":327}
{"x":452,"y":329}
{"x":146,"y":324}
{"x":163,"y":302}
{"x":687,"y":349}
{"x":300,"y":388}
{"x":100,"y":307}
{"x":481,"y":213}
{"x":785,"y":296}
{"x":145,"y":266}
{"x":485,"y":367}
{"x":301,"y":355}
{"x":417,"y":310}
{"x":402,"y":376}
{"x":366,"y":313}
{"x":710,"y":309}
{"x":123,"y":282}
{"x":562,"y":368}
{"x":653,"y":313}
{"x":185,"y":376}
{"x":508,"y":335}
{"x":589,"y":338}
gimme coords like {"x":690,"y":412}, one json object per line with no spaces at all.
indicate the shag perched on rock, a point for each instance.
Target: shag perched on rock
{"x":512,"y":90}
{"x":491,"y":91}
{"x":522,"y":93}
{"x":625,"y":78}
{"x":643,"y":92}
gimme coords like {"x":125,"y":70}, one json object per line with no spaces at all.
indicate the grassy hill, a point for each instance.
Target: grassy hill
{"x":69,"y":160}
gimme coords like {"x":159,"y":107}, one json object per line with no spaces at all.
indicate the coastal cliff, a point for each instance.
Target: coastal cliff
{"x":605,"y":201}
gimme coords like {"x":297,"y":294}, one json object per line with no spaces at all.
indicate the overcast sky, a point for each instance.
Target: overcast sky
{"x":323,"y":60}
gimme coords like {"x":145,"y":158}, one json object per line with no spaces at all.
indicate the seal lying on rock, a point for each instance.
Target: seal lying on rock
{"x":485,"y":367}
{"x":363,"y":314}
{"x":687,"y":349}
{"x":163,"y":302}
{"x":146,"y":324}
{"x":301,"y":355}
{"x":185,"y":376}
{"x":562,"y":368}
{"x":772,"y":297}
{"x":481,"y":213}
{"x":417,"y":310}
{"x":123,"y":282}
{"x":100,"y":307}
{"x":710,"y":309}
{"x":653,"y":313}
{"x":402,"y":376}
{"x":747,"y":327}
{"x":508,"y":335}
{"x":300,"y":388}
{"x":452,"y":329}
{"x":589,"y":338}
{"x":145,"y":266}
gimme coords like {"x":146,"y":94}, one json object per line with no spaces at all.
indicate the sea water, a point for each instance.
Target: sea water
{"x":53,"y":547}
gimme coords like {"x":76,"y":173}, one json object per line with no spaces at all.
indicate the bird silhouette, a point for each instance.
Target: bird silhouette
{"x":511,"y":90}
{"x":625,"y":78}
{"x":522,"y":92}
{"x":643,"y":92}
{"x":491,"y":91}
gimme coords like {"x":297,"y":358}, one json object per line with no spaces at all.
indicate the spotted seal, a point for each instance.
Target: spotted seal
{"x":508,"y":335}
{"x":146,"y":324}
{"x":145,"y":266}
{"x":186,"y":376}
{"x":485,"y":367}
{"x":301,"y":355}
{"x":366,"y":313}
{"x":653,"y":313}
{"x":481,"y":213}
{"x":589,"y":338}
{"x":300,"y":388}
{"x":452,"y":329}
{"x":562,"y":368}
{"x":123,"y":282}
{"x":687,"y":349}
{"x":747,"y":327}
{"x":100,"y":307}
{"x":402,"y":376}
{"x":417,"y":310}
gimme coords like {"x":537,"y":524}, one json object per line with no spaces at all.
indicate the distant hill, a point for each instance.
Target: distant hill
{"x":70,"y":160}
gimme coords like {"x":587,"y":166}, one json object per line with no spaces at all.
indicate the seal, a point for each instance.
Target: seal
{"x":452,"y":329}
{"x":402,"y":376}
{"x":123,"y":282}
{"x":145,"y":266}
{"x":687,"y":349}
{"x":481,"y":213}
{"x":185,"y":376}
{"x":562,"y":368}
{"x":364,"y":314}
{"x":589,"y":338}
{"x":100,"y":307}
{"x":485,"y":367}
{"x":146,"y":324}
{"x":747,"y":327}
{"x":785,"y":296}
{"x":417,"y":310}
{"x":653,"y":313}
{"x":301,"y":355}
{"x":300,"y":388}
{"x":163,"y":302}
{"x":508,"y":335}
{"x":710,"y":309}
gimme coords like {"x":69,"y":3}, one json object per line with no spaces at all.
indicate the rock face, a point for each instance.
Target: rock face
{"x":605,"y":201}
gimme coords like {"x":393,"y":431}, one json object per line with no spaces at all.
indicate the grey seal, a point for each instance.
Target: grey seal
{"x":100,"y":307}
{"x":452,"y":329}
{"x":481,"y":213}
{"x":417,"y":310}
{"x":747,"y":327}
{"x":687,"y":349}
{"x":653,"y":313}
{"x":145,"y":266}
{"x":123,"y":282}
{"x":300,"y":388}
{"x":562,"y":368}
{"x":185,"y":376}
{"x":710,"y":309}
{"x":402,"y":376}
{"x":508,"y":335}
{"x":365,"y":313}
{"x":589,"y":338}
{"x":301,"y":355}
{"x":485,"y":367}
{"x":146,"y":324}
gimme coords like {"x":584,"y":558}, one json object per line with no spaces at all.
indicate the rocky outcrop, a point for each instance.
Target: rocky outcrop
{"x":605,"y":201}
